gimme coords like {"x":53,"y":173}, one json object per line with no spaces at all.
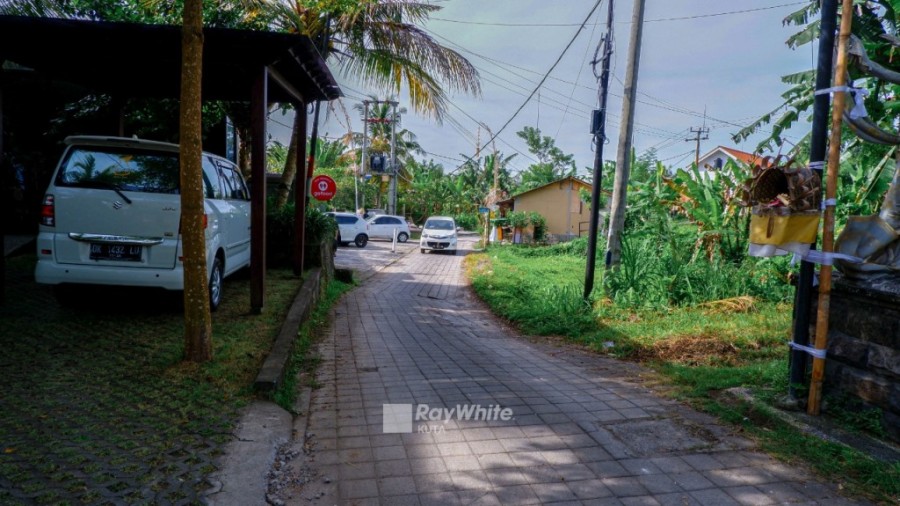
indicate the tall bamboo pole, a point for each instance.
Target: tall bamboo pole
{"x":834,"y":153}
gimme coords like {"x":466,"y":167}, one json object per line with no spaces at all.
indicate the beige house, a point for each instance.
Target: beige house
{"x":559,"y":203}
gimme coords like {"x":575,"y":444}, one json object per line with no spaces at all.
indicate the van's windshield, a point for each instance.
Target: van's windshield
{"x":121,"y":169}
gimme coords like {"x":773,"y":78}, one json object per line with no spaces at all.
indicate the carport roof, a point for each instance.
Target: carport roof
{"x":139,"y":60}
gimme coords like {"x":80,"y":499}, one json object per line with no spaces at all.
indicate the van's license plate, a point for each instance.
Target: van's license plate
{"x":124,"y":252}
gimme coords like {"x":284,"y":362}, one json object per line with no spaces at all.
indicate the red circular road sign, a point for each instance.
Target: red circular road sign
{"x":323,"y":187}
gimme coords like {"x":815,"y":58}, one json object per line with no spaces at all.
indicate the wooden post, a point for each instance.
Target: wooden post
{"x":834,"y":154}
{"x":258,"y":109}
{"x":6,"y":219}
{"x":300,"y":190}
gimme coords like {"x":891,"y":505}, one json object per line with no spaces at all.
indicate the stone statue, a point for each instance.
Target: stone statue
{"x":875,"y":239}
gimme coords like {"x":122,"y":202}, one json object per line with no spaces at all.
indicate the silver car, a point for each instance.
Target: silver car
{"x":112,"y":216}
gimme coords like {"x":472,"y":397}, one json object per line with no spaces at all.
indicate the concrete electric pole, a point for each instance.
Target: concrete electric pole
{"x":392,"y":188}
{"x":364,"y":159}
{"x":701,"y":134}
{"x":623,"y":156}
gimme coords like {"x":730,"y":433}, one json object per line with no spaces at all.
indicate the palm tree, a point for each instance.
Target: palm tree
{"x":197,"y":320}
{"x":378,"y":139}
{"x":379,"y":44}
{"x":380,"y":132}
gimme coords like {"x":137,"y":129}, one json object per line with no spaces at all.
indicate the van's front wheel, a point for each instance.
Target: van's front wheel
{"x":215,"y":285}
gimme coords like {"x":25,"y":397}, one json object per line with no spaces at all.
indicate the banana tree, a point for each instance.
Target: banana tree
{"x":712,"y":204}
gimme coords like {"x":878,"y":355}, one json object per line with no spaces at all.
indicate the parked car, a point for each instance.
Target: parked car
{"x":370,"y":213}
{"x":438,"y":234}
{"x":112,"y":216}
{"x":383,"y":226}
{"x":351,"y":228}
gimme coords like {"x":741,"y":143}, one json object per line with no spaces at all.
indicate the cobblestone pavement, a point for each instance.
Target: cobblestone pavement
{"x":583,"y":429}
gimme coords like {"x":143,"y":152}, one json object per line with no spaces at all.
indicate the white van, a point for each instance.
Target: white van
{"x":112,"y":214}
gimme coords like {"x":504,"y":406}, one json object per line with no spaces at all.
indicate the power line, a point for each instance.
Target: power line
{"x":699,"y":16}
{"x":587,"y":52}
{"x":544,"y":79}
{"x":672,"y":108}
{"x":681,"y":18}
{"x":682,"y":155}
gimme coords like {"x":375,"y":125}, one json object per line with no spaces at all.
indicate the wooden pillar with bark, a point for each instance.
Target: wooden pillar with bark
{"x":301,"y":192}
{"x":258,"y":111}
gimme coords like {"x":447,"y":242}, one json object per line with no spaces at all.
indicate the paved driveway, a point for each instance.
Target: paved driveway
{"x":581,"y":429}
{"x":373,"y":257}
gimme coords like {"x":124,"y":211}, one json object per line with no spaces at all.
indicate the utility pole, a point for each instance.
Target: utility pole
{"x":818,"y":143}
{"x":392,"y":188}
{"x":390,"y":172}
{"x":362,"y":164}
{"x":704,"y":132}
{"x":623,"y":155}
{"x":598,"y":128}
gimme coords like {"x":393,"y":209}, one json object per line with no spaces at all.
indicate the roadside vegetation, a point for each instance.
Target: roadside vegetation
{"x":300,"y":372}
{"x":687,"y":302}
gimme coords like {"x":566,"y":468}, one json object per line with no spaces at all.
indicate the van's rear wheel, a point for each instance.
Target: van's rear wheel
{"x":215,"y":285}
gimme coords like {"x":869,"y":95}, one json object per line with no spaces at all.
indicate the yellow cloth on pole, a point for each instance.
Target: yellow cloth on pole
{"x":772,"y":229}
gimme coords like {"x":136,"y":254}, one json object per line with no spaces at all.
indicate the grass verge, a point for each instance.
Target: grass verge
{"x":697,"y":352}
{"x":302,"y":362}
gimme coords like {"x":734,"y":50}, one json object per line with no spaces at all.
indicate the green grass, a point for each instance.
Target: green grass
{"x":697,"y":351}
{"x":103,"y":388}
{"x":303,"y":359}
{"x":859,"y":474}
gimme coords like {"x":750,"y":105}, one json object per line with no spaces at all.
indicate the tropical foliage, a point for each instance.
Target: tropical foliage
{"x":876,"y":24}
{"x":552,"y":164}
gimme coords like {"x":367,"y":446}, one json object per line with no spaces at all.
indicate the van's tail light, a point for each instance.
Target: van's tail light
{"x":48,"y":211}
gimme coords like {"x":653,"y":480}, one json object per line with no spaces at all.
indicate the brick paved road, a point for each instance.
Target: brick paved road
{"x":583,"y":431}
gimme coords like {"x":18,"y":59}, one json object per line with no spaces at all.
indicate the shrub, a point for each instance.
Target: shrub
{"x":280,"y":230}
{"x":540,"y":225}
{"x":517,"y":219}
{"x":467,"y":221}
{"x":320,"y":227}
{"x":576,"y":247}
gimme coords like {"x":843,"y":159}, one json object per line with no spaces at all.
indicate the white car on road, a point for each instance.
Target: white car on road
{"x":438,"y":234}
{"x":351,"y":228}
{"x":383,"y":226}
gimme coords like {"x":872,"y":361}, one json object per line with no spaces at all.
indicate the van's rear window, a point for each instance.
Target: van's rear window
{"x":120,"y":168}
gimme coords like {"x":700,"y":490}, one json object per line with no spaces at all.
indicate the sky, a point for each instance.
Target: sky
{"x":704,"y":64}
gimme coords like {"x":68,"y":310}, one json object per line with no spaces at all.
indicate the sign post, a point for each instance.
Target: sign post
{"x":323,"y":187}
